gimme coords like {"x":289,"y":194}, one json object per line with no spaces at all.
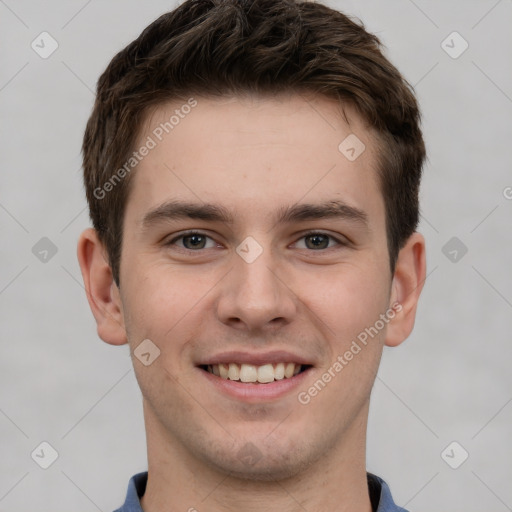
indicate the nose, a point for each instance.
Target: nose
{"x":256,"y":296}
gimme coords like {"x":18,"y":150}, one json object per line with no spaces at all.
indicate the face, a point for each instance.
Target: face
{"x":287,"y":263}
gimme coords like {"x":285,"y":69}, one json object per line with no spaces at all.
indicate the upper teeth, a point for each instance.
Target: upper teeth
{"x":252,"y":373}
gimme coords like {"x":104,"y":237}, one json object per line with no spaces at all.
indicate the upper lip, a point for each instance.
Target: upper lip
{"x":257,"y":359}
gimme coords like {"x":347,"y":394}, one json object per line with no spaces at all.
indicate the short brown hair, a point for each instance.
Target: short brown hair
{"x":236,"y":47}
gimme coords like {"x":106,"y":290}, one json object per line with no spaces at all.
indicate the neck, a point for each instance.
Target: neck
{"x":179,"y":481}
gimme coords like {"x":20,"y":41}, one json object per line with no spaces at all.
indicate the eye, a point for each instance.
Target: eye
{"x":196,"y":240}
{"x":317,"y":240}
{"x":192,"y":240}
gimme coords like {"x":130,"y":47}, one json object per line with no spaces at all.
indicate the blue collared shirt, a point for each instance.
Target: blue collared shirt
{"x":380,"y":495}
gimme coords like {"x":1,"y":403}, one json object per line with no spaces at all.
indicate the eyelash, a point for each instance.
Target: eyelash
{"x":305,"y":235}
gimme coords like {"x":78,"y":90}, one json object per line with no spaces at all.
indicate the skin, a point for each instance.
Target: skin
{"x":253,"y":156}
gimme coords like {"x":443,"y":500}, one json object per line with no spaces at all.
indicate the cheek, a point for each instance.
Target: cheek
{"x":167,"y":306}
{"x":350,"y":298}
{"x":350,"y":305}
{"x":154,"y":302}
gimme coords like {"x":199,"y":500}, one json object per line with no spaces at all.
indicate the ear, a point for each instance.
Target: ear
{"x":102,"y":292}
{"x":406,"y":287}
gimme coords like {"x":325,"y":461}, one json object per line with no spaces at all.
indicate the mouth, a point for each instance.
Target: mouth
{"x":255,"y":374}
{"x":255,"y":378}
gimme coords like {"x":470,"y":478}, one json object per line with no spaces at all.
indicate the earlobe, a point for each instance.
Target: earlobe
{"x":408,"y":280}
{"x":102,"y":292}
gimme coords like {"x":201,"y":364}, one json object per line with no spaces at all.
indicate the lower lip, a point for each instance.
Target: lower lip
{"x":252,"y":392}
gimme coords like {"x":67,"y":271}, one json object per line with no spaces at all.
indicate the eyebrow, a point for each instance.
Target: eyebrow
{"x":176,"y":209}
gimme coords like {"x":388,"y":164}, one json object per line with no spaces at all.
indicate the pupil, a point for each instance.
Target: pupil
{"x":317,"y":240}
{"x":195,"y":240}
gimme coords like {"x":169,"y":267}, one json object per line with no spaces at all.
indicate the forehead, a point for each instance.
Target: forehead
{"x":254,"y":154}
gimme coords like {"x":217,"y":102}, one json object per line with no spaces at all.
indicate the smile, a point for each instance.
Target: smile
{"x":250,"y":373}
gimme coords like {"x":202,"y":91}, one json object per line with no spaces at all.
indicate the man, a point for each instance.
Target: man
{"x":252,"y":172}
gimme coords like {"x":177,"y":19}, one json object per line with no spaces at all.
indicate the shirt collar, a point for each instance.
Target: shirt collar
{"x":379,"y":494}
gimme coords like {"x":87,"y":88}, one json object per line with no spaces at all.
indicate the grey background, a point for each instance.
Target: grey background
{"x":451,"y":381}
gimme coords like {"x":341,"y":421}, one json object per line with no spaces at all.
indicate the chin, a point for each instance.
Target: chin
{"x":252,"y":464}
{"x":262,"y":472}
